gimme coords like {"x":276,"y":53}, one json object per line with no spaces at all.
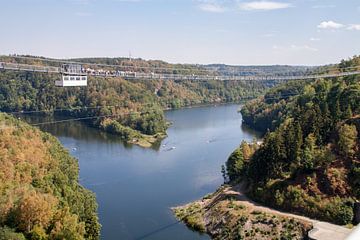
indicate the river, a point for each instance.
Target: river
{"x":135,"y":187}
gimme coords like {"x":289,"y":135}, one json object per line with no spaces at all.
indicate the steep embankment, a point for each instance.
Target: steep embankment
{"x":40,"y":194}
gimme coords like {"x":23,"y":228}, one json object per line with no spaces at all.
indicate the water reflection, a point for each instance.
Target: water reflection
{"x":136,"y":187}
{"x":77,"y":130}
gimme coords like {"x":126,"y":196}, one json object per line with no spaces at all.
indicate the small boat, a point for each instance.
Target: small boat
{"x":170,"y":149}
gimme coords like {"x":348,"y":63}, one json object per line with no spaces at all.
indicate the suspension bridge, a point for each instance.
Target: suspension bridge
{"x":131,"y":75}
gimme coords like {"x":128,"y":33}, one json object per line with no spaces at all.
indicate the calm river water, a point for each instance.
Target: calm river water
{"x":136,"y":187}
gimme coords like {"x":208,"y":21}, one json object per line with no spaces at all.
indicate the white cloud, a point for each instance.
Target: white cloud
{"x":354,"y":27}
{"x":330,"y":25}
{"x":313,"y":39}
{"x":263,"y":5}
{"x":334,"y":25}
{"x":212,"y":7}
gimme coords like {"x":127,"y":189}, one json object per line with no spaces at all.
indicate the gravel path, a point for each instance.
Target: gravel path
{"x":321,"y":230}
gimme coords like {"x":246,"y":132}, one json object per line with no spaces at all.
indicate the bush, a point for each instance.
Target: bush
{"x":235,"y":164}
{"x":9,"y":234}
{"x":339,"y":211}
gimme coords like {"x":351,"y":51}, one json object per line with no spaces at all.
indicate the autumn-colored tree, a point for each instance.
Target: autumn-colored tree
{"x":38,"y":233}
{"x":35,"y":209}
{"x":67,"y":226}
{"x":36,"y":174}
{"x":246,"y":150}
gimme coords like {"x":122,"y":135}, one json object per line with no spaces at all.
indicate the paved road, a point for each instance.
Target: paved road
{"x":328,"y":231}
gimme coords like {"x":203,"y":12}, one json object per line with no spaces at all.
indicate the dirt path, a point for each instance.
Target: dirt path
{"x":321,"y":230}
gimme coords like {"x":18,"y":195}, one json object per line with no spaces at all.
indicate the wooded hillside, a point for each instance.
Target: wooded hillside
{"x":308,"y":162}
{"x":41,"y":197}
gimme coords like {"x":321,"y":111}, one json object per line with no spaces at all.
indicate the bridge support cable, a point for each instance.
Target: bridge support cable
{"x":129,"y":75}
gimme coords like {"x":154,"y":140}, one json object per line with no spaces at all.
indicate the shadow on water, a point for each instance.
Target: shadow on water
{"x":246,"y":129}
{"x":135,"y":187}
{"x":161,"y":229}
{"x":147,"y":235}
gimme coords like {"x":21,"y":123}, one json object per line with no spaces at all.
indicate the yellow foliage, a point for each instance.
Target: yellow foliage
{"x":35,"y":209}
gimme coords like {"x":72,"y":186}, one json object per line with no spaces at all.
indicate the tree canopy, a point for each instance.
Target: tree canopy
{"x":309,"y":159}
{"x":41,"y":197}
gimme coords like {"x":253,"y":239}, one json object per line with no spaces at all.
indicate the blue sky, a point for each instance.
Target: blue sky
{"x":246,"y":32}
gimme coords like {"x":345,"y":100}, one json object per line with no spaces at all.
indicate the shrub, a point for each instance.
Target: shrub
{"x":9,"y":234}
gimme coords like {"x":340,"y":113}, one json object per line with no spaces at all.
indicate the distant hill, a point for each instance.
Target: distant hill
{"x":141,"y":65}
{"x":267,"y":112}
{"x":270,"y":70}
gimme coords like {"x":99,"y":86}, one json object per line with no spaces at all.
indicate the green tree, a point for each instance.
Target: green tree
{"x":9,"y":234}
{"x":308,"y":154}
{"x":347,"y":140}
{"x":235,"y":164}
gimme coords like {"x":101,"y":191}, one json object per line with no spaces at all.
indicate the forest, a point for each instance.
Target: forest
{"x":134,"y":110}
{"x":41,"y":197}
{"x":308,"y":162}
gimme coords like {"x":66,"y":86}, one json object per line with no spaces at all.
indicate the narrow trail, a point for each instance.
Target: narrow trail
{"x":321,"y":230}
{"x":237,"y":192}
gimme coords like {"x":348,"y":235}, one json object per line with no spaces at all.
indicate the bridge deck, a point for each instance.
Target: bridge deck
{"x":177,"y":77}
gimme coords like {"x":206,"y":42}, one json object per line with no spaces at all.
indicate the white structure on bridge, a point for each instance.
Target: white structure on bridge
{"x":76,"y":75}
{"x":72,"y":76}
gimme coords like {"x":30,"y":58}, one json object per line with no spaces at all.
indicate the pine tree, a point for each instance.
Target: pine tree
{"x":224,"y":174}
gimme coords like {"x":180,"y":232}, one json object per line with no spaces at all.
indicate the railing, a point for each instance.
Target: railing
{"x":176,"y":77}
{"x":30,"y":68}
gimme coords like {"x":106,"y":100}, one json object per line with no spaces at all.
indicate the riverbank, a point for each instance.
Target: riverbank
{"x":212,"y":104}
{"x":228,"y":214}
{"x":123,"y":175}
{"x":147,"y":141}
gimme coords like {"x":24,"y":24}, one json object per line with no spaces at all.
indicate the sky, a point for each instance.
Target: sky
{"x":237,"y":32}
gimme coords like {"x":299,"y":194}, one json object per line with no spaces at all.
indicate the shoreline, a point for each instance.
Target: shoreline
{"x":205,"y":105}
{"x":229,"y":211}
